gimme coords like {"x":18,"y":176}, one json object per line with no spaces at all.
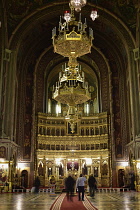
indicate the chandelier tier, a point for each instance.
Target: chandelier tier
{"x":73,"y":39}
{"x":71,"y":88}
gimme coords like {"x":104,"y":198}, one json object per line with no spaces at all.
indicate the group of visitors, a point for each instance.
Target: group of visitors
{"x":70,"y":184}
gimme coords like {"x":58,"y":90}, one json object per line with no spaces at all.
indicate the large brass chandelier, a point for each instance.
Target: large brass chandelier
{"x":72,"y":40}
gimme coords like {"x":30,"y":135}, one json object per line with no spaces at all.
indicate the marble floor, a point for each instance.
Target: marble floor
{"x":43,"y":201}
{"x":116,"y":200}
{"x":26,"y":201}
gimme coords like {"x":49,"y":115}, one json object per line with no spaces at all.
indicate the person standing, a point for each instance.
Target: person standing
{"x":92,"y":185}
{"x":37,"y":185}
{"x":69,"y":184}
{"x":80,"y":183}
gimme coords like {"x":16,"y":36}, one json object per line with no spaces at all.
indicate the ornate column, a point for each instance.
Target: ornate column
{"x":65,"y":167}
{"x":10,"y":176}
{"x":101,"y":170}
{"x":137,"y":57}
{"x":135,"y":83}
{"x":53,"y":170}
{"x":92,"y":167}
{"x":46,"y":172}
{"x":94,"y":130}
{"x":81,"y":163}
{"x":57,"y":172}
{"x":89,"y":170}
{"x":3,"y":64}
{"x":44,"y":169}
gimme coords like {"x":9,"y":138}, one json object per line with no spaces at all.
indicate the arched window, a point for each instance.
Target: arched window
{"x":53,"y":131}
{"x":57,"y":132}
{"x":82,"y":132}
{"x":92,"y":131}
{"x":62,"y":132}
{"x":87,"y":132}
{"x":48,"y":131}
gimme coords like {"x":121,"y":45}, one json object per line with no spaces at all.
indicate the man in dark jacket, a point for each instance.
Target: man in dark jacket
{"x":92,"y":185}
{"x":37,"y":184}
{"x":69,"y":184}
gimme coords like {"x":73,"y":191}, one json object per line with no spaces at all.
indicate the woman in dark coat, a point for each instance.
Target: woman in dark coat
{"x":69,"y":184}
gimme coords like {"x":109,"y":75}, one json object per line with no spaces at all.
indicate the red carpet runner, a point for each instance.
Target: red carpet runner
{"x":61,"y":203}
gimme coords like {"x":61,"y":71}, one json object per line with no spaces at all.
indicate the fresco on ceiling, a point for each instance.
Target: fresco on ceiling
{"x":125,"y":9}
{"x":109,"y":32}
{"x":18,"y":9}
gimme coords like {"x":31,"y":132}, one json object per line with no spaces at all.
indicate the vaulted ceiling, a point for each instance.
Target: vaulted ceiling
{"x":30,"y":25}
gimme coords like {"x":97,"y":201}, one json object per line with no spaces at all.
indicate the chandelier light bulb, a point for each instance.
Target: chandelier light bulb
{"x":78,"y":9}
{"x":67,"y":16}
{"x":75,"y":3}
{"x":94,"y":14}
{"x":78,"y":4}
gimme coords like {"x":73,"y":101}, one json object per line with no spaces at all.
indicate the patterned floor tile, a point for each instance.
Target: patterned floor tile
{"x":43,"y":201}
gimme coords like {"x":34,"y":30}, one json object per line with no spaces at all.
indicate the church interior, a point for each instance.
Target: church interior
{"x":70,"y":92}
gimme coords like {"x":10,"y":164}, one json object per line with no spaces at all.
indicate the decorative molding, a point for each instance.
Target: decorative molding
{"x":55,"y":153}
{"x":136,"y":52}
{"x":7,"y":55}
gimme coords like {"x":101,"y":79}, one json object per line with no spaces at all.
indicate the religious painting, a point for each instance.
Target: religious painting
{"x":3,"y":173}
{"x":105,"y":169}
{"x":119,"y":147}
{"x":40,"y":170}
{"x":2,"y":152}
{"x":72,"y":128}
{"x":72,"y":166}
{"x":27,"y":147}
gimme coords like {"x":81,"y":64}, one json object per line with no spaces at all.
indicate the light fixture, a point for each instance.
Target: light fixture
{"x":138,"y":165}
{"x":73,"y":39}
{"x":67,"y":16}
{"x":88,"y":161}
{"x":71,"y":89}
{"x":21,"y":166}
{"x":58,"y":161}
{"x":124,"y":164}
{"x":94,"y":14}
{"x":78,"y":4}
